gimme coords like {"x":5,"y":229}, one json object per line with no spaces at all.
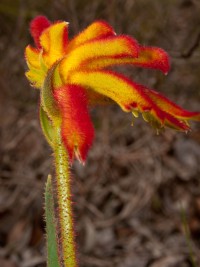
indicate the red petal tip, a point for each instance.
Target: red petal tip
{"x":156,"y":58}
{"x":164,"y":61}
{"x":37,"y":26}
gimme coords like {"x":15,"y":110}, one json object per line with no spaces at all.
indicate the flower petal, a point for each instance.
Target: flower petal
{"x":37,"y":26}
{"x":54,"y":40}
{"x":129,"y":95}
{"x":149,"y":57}
{"x":37,"y":70}
{"x":32,"y":57}
{"x":170,"y":107}
{"x":98,"y":29}
{"x":36,"y":77}
{"x":152,"y":57}
{"x":77,"y":128}
{"x":113,"y":47}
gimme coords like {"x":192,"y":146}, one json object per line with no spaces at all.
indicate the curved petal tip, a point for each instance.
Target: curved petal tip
{"x":37,"y":26}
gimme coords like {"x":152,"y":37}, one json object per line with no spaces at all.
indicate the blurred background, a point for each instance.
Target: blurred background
{"x":139,"y":191}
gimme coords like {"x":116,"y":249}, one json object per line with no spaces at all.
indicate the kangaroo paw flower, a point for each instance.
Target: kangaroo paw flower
{"x":77,"y":75}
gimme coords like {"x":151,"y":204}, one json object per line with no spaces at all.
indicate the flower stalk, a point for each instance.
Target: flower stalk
{"x":63,"y":195}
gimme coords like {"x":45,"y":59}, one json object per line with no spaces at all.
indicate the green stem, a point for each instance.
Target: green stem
{"x":63,"y":194}
{"x":52,"y":245}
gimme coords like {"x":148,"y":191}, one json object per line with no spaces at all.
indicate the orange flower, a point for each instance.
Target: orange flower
{"x":72,"y":75}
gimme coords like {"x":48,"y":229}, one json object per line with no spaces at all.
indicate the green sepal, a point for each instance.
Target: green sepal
{"x":47,"y":99}
{"x":47,"y":126}
{"x":52,"y":245}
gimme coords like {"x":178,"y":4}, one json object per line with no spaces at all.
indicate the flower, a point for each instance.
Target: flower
{"x":73,"y":75}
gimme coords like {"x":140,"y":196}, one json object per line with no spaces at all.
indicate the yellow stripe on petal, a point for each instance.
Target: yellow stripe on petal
{"x":98,"y":29}
{"x":32,"y":56}
{"x":149,"y":57}
{"x":54,"y":42}
{"x":117,"y":46}
{"x":131,"y":96}
{"x":124,"y":92}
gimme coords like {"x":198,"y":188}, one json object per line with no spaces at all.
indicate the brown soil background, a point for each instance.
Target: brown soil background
{"x":130,"y":195}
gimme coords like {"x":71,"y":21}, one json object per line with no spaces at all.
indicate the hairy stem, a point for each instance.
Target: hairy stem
{"x":63,"y":194}
{"x":52,"y":245}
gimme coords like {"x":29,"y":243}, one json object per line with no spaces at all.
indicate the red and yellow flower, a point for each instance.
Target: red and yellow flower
{"x":72,"y":75}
